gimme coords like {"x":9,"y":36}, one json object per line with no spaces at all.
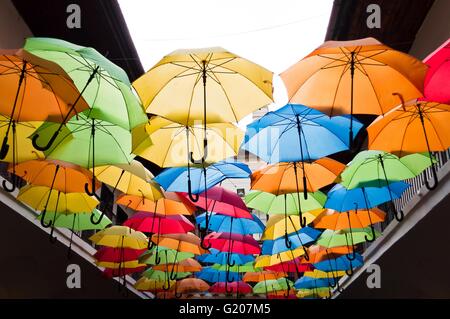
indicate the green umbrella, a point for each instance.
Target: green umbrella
{"x":74,"y":222}
{"x":167,"y":256}
{"x":348,"y":237}
{"x":104,"y":85}
{"x":379,"y":169}
{"x":160,"y":275}
{"x":272,"y":285}
{"x":284,"y":204}
{"x":248,"y":267}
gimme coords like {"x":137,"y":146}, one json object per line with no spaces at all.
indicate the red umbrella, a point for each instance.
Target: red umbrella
{"x":152,"y":223}
{"x":115,"y":255}
{"x":437,"y":86}
{"x":222,"y":201}
{"x":121,"y":272}
{"x":234,"y":243}
{"x":293,"y":266}
{"x":272,"y":295}
{"x":233,"y":287}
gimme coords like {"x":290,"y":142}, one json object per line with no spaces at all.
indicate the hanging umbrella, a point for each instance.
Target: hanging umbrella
{"x":120,"y":236}
{"x":413,"y":127}
{"x":120,"y":265}
{"x":236,"y":268}
{"x":272,"y":285}
{"x":104,"y":85}
{"x":33,"y":89}
{"x":290,"y":266}
{"x":319,"y":292}
{"x":170,"y":204}
{"x":185,"y":265}
{"x":262,"y":275}
{"x":115,"y":254}
{"x":297,"y":239}
{"x":270,"y":260}
{"x":354,"y":77}
{"x":213,"y":275}
{"x":150,"y":223}
{"x":131,"y":179}
{"x":223,"y":223}
{"x":163,"y":275}
{"x":340,"y":264}
{"x":151,"y":285}
{"x":218,"y":257}
{"x":275,"y":226}
{"x":238,"y":287}
{"x":174,"y":179}
{"x":164,"y":256}
{"x":308,"y":283}
{"x":319,"y":274}
{"x":377,"y":169}
{"x":290,"y":134}
{"x":115,"y":272}
{"x":229,"y":242}
{"x":286,"y":177}
{"x":190,"y":285}
{"x":436,"y":87}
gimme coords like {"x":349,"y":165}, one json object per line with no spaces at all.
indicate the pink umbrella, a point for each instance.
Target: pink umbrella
{"x":233,"y":287}
{"x":293,"y":266}
{"x":115,"y":255}
{"x":233,"y":243}
{"x":152,"y":223}
{"x":222,"y":201}
{"x":121,"y":272}
{"x":437,"y":86}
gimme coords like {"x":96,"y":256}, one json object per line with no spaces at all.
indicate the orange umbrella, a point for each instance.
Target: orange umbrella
{"x":262,"y":275}
{"x":191,"y":285}
{"x":318,"y":253}
{"x":186,"y":265}
{"x":417,"y":126}
{"x":354,"y":77}
{"x":189,"y":242}
{"x":170,"y":204}
{"x":62,"y":176}
{"x":351,"y":219}
{"x":292,"y":177}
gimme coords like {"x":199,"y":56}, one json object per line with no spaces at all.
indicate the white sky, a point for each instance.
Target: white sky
{"x":272,"y":33}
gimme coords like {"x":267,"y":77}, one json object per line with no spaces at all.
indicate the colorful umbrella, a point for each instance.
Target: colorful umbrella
{"x":223,"y":223}
{"x":237,"y":287}
{"x":185,"y":265}
{"x":189,"y":286}
{"x":354,"y":77}
{"x":164,"y":256}
{"x":213,"y":275}
{"x":340,"y":264}
{"x":120,"y":237}
{"x":116,"y":254}
{"x":297,"y":239}
{"x":229,"y":242}
{"x":151,"y":223}
{"x":436,"y":87}
{"x":218,"y":257}
{"x":308,"y":283}
{"x":262,"y":275}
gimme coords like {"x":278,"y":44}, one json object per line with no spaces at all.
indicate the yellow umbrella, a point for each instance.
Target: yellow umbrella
{"x":275,"y":226}
{"x":173,"y":142}
{"x":43,"y":198}
{"x":145,"y":284}
{"x":132,"y":179}
{"x":320,"y":292}
{"x":120,"y":265}
{"x":270,"y":260}
{"x":120,"y":236}
{"x":316,"y":273}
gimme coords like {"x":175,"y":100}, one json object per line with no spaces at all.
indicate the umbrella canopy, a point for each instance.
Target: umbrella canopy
{"x":345,"y":237}
{"x":175,"y":179}
{"x":272,"y":285}
{"x":76,"y":221}
{"x":104,"y":85}
{"x":287,"y":204}
{"x":319,"y":292}
{"x":236,"y":268}
{"x":350,"y":219}
{"x":262,"y":275}
{"x":151,"y":223}
{"x":152,"y":285}
{"x":222,"y":201}
{"x":120,"y":265}
{"x":309,"y":283}
{"x":170,"y":204}
{"x":297,"y":239}
{"x":121,"y":272}
{"x":120,"y":236}
{"x":131,"y":179}
{"x":165,"y":256}
{"x":232,"y":287}
{"x":343,"y":199}
{"x":291,"y":266}
{"x":213,"y":275}
{"x":185,"y":265}
{"x":180,"y":242}
{"x":229,"y":242}
{"x":354,"y":77}
{"x":378,"y":168}
{"x":270,"y":260}
{"x":322,"y":274}
{"x":232,"y":86}
{"x":290,"y":134}
{"x":44,"y":198}
{"x":318,"y":253}
{"x":436,"y":85}
{"x":223,"y":223}
{"x":282,"y":178}
{"x":162,"y":275}
{"x":339,"y":264}
{"x":218,"y":257}
{"x":191,"y":285}
{"x":117,"y":254}
{"x":168,"y":144}
{"x":59,"y":175}
{"x":278,"y":226}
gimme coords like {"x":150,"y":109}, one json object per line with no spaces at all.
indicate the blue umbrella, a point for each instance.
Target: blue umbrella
{"x":310,"y":283}
{"x":341,"y":263}
{"x":214,"y":275}
{"x":218,"y":257}
{"x":343,"y":199}
{"x":223,"y":223}
{"x":275,"y":137}
{"x":297,"y":239}
{"x":175,"y":179}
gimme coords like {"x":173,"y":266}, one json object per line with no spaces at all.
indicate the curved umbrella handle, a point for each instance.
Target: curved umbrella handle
{"x":305,"y":188}
{"x":52,"y":238}
{"x":228,"y":277}
{"x":49,"y":143}
{"x":205,"y":154}
{"x":5,"y":148}
{"x":93,"y":221}
{"x":306,"y":254}
{"x":286,"y":294}
{"x":150,"y":244}
{"x":193,"y":197}
{"x":302,"y":219}
{"x":203,"y":245}
{"x":226,"y":287}
{"x":372,"y":238}
{"x":399,"y":215}
{"x":157,"y":259}
{"x":351,"y":256}
{"x":287,"y":241}
{"x":350,"y":271}
{"x":334,"y":284}
{"x":43,"y":224}
{"x":435,"y":179}
{"x":89,"y":192}
{"x":230,"y":262}
{"x":13,"y":183}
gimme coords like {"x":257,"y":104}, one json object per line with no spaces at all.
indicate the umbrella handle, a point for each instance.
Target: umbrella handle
{"x":350,"y":271}
{"x":13,"y":183}
{"x":334,"y":284}
{"x":226,"y":287}
{"x":305,"y":189}
{"x":287,"y":242}
{"x":193,"y":197}
{"x":399,"y":215}
{"x":157,"y":259}
{"x":351,"y":256}
{"x":89,"y":192}
{"x":204,"y":246}
{"x":205,"y":154}
{"x":5,"y":148}
{"x":435,"y":178}
{"x":372,"y":238}
{"x":229,"y":262}
{"x":228,"y":277}
{"x":93,"y":221}
{"x":302,"y":220}
{"x":150,"y":244}
{"x":43,"y":224}
{"x":50,"y":142}
{"x":286,"y":294}
{"x":52,"y":238}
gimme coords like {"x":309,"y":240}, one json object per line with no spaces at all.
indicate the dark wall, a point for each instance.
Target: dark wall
{"x":417,"y":265}
{"x":32,"y":267}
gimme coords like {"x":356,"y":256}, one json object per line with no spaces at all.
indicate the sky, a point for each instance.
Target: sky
{"x":274,"y":34}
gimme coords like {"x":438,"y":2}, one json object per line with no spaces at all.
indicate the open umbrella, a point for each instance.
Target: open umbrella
{"x":262,"y":275}
{"x":341,"y":263}
{"x":150,"y":223}
{"x":417,"y":126}
{"x":224,"y":223}
{"x":115,"y":254}
{"x":436,"y":87}
{"x":229,"y":242}
{"x":354,"y":77}
{"x":238,"y":287}
{"x":213,"y":275}
{"x":103,"y":85}
{"x":297,"y":239}
{"x":218,"y":257}
{"x":165,"y":256}
{"x":185,"y":265}
{"x":189,"y":286}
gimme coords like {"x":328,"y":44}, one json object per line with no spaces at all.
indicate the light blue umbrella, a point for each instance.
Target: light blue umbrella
{"x":341,"y":263}
{"x":310,"y":283}
{"x":213,"y":275}
{"x":218,"y":257}
{"x":229,"y":224}
{"x":297,"y":133}
{"x":175,"y":179}
{"x":297,"y":239}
